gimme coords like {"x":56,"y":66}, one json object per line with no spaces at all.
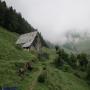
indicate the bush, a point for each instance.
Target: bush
{"x":58,"y":62}
{"x":42,"y":77}
{"x":77,"y":75}
{"x":72,"y":61}
{"x":43,"y":56}
{"x":19,"y":47}
{"x":19,"y":64}
{"x":80,"y":74}
{"x":67,"y":68}
{"x":88,"y":73}
{"x":83,"y":61}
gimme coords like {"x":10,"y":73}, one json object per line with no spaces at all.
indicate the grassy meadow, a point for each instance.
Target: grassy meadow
{"x":11,"y":55}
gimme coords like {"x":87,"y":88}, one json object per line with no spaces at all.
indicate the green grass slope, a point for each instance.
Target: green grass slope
{"x":11,"y":55}
{"x":80,"y":46}
{"x":60,"y":80}
{"x":84,"y":46}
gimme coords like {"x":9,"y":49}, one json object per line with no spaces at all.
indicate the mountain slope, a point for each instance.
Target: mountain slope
{"x":11,"y":55}
{"x":80,"y":46}
{"x":84,"y":46}
{"x":59,"y":80}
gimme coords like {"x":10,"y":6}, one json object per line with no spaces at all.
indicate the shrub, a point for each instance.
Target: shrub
{"x":19,"y":47}
{"x":80,"y":74}
{"x":73,"y":61}
{"x":43,"y":56}
{"x":58,"y":62}
{"x":42,"y":77}
{"x":67,"y":68}
{"x":77,"y":75}
{"x":83,"y":61}
{"x":88,"y":73}
{"x":19,"y":64}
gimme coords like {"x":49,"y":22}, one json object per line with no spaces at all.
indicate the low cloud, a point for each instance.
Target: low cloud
{"x":54,"y":17}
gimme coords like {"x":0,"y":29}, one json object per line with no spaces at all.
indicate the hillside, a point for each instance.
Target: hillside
{"x":9,"y":56}
{"x":12,"y":56}
{"x":81,"y":46}
{"x":84,"y":46}
{"x":77,"y":42}
{"x":14,"y":21}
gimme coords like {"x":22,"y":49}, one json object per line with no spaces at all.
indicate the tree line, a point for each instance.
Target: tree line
{"x":78,"y":62}
{"x":14,"y":22}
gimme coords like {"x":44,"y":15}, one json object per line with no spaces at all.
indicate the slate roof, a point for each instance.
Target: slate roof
{"x":26,"y":39}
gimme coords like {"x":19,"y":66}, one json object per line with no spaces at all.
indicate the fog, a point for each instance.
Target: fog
{"x":54,"y":17}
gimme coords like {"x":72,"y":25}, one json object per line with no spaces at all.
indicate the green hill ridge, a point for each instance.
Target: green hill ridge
{"x":11,"y":55}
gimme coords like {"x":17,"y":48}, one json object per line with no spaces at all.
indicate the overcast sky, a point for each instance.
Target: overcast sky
{"x":54,"y":17}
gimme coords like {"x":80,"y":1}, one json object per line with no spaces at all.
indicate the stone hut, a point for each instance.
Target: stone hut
{"x":30,"y":41}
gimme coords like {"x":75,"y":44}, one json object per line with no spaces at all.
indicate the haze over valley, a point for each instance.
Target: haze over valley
{"x":53,"y":18}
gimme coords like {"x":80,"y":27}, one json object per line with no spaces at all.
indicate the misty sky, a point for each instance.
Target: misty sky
{"x":54,"y":17}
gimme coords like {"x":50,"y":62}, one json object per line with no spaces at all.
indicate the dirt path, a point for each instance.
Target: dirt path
{"x":34,"y":82}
